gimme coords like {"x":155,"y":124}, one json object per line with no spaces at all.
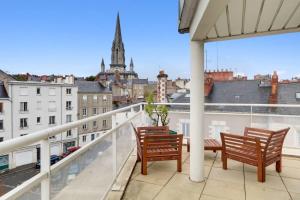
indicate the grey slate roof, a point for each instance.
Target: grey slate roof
{"x":239,"y":91}
{"x":246,"y":92}
{"x":3,"y":93}
{"x":91,"y":87}
{"x":140,"y":81}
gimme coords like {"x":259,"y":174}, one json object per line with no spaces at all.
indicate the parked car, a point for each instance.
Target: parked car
{"x":69,"y":151}
{"x":53,"y":159}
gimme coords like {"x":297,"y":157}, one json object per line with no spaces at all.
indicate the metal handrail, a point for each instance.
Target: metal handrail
{"x":12,"y":144}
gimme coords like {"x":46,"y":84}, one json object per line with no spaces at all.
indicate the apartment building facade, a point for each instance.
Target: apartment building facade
{"x":93,"y":99}
{"x":39,"y":105}
{"x":5,"y":126}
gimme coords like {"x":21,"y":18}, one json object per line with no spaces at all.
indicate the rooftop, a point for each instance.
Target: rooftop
{"x":238,"y":182}
{"x":91,"y":87}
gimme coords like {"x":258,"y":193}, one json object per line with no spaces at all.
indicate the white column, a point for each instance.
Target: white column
{"x":197,"y":112}
{"x":45,"y":167}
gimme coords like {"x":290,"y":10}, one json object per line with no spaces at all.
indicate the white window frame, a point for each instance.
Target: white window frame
{"x":52,"y":120}
{"x":69,"y":91}
{"x":23,"y":123}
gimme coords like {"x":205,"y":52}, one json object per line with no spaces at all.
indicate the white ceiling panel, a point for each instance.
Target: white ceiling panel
{"x":267,"y":15}
{"x":286,"y":10}
{"x":295,"y":20}
{"x":235,"y":8}
{"x":212,"y":33}
{"x":251,"y":15}
{"x":222,"y":25}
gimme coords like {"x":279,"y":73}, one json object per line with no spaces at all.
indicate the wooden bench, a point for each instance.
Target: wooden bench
{"x":157,"y":145}
{"x":209,"y":144}
{"x":258,"y":147}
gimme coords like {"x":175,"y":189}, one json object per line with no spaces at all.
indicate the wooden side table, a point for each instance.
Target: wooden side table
{"x":209,"y":144}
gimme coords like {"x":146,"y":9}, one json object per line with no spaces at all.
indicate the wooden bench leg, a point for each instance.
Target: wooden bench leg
{"x":144,"y":166}
{"x":224,"y":161}
{"x":278,"y":166}
{"x":179,"y":164}
{"x":261,"y":173}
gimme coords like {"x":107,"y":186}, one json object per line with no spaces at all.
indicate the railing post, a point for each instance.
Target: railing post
{"x":114,"y":146}
{"x":45,"y":167}
{"x":141,"y":107}
{"x":251,"y":116}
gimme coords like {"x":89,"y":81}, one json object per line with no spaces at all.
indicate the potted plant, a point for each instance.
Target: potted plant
{"x":157,"y":113}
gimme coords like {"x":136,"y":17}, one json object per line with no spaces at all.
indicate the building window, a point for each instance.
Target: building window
{"x":104,"y":98}
{"x":23,"y":123}
{"x":94,"y":124}
{"x":68,"y":118}
{"x":52,"y":91}
{"x":1,"y":139}
{"x":1,"y":107}
{"x":84,"y":112}
{"x":84,"y":138}
{"x":51,"y":119}
{"x":237,"y":98}
{"x":69,"y":105}
{"x":1,"y":125}
{"x":84,"y":126}
{"x":104,"y":123}
{"x":23,"y":106}
{"x":52,"y":137}
{"x":68,"y":91}
{"x":84,"y":98}
{"x":298,"y":95}
{"x":92,"y":136}
{"x":38,"y":91}
{"x":23,"y":134}
{"x":69,"y":133}
{"x":104,"y":110}
{"x":38,"y":120}
{"x":94,"y":111}
{"x":95,"y":98}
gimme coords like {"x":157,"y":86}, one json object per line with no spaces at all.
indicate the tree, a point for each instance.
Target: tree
{"x":90,"y":78}
{"x":157,"y":113}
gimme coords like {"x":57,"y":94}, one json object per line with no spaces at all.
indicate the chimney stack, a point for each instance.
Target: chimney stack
{"x":274,"y":89}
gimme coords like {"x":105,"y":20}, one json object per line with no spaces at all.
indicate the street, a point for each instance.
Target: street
{"x":11,"y":179}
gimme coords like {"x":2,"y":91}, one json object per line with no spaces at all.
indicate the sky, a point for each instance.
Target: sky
{"x":72,"y":36}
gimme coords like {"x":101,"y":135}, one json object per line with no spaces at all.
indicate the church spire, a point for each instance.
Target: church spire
{"x":118,"y":34}
{"x":102,"y":66}
{"x":131,"y":65}
{"x":117,"y":50}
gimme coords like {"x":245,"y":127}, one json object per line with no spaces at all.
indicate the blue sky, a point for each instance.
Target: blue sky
{"x":71,"y":37}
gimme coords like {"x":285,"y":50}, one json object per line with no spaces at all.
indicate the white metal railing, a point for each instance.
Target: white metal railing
{"x":42,"y":137}
{"x":216,"y":121}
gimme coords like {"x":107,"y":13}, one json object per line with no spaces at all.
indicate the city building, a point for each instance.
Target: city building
{"x":93,"y":99}
{"x":138,"y":88}
{"x":162,"y":87}
{"x":5,"y":123}
{"x":36,"y":106}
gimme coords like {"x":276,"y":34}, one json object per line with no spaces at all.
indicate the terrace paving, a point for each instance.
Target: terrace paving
{"x":237,"y":183}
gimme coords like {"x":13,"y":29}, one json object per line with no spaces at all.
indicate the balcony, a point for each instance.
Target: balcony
{"x":94,"y":170}
{"x":238,"y":182}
